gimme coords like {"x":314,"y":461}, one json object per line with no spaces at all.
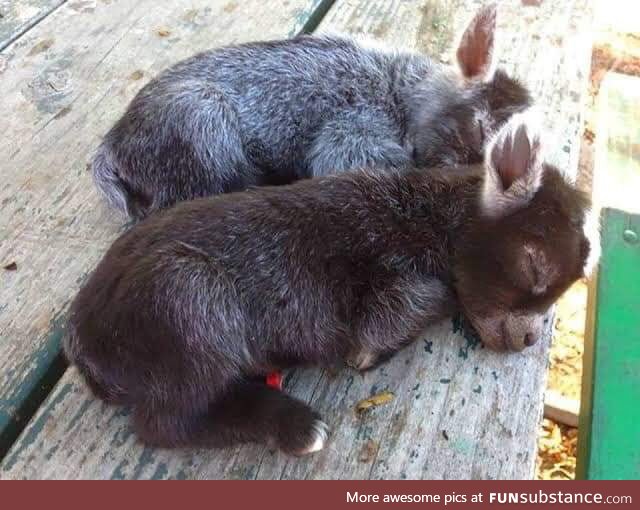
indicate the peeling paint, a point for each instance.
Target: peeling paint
{"x":30,"y":381}
{"x":36,"y":427}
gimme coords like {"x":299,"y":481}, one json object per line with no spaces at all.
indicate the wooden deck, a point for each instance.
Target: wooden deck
{"x":67,"y":71}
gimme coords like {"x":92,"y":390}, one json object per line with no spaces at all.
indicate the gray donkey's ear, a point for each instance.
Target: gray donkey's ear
{"x":475,"y":51}
{"x":514,"y":166}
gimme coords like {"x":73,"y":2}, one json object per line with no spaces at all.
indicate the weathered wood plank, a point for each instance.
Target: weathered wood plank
{"x":561,"y":409}
{"x":616,"y":178}
{"x":450,"y":395}
{"x":90,"y":60}
{"x":18,"y":16}
{"x":459,"y":411}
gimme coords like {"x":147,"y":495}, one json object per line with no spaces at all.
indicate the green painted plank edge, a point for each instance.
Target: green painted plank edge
{"x":312,"y":17}
{"x":17,"y":408}
{"x":48,"y":366}
{"x":609,"y":441}
{"x":12,"y":29}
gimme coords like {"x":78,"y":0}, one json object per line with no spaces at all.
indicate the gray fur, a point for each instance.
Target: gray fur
{"x":279,"y":111}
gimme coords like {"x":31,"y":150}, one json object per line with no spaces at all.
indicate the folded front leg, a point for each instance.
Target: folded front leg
{"x":345,"y":144}
{"x":247,"y":412}
{"x":395,"y":315}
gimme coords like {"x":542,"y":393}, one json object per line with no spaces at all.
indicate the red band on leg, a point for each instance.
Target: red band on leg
{"x":274,"y":380}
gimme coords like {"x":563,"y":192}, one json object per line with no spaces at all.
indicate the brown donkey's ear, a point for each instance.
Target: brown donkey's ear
{"x":513,"y":166}
{"x":475,"y":51}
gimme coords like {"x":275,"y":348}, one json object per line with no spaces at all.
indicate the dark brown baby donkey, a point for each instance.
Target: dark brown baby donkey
{"x":191,"y":307}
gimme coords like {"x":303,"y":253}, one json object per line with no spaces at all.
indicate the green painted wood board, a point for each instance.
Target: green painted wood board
{"x":610,"y":415}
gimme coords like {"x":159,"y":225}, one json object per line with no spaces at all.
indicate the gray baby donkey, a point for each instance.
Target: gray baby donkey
{"x":275,"y":112}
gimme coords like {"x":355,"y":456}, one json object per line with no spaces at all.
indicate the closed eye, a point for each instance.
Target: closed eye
{"x":535,"y":276}
{"x":482,"y":134}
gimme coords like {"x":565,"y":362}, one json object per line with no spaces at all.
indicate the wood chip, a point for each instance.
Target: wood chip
{"x":136,"y":75}
{"x":40,"y":47}
{"x":368,"y":451}
{"x":374,"y":401}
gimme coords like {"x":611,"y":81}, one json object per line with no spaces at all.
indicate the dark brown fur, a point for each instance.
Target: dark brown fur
{"x":188,"y":308}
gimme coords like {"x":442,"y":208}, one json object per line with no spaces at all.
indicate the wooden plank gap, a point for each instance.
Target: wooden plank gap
{"x":11,"y":38}
{"x":316,"y":16}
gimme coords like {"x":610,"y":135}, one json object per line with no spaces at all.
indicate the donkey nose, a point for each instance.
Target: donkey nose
{"x":529,"y":340}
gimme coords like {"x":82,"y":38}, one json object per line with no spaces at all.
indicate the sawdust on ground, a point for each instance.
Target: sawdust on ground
{"x":557,"y":442}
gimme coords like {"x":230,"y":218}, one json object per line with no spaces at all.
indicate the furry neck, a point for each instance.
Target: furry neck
{"x":450,"y":194}
{"x":434,"y":207}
